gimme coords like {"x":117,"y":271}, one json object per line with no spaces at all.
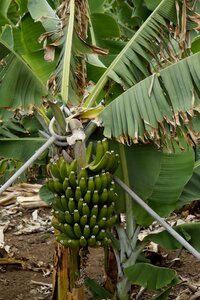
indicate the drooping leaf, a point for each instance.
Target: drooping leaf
{"x":131,"y":63}
{"x":150,"y":276}
{"x":189,"y":231}
{"x":145,"y":114}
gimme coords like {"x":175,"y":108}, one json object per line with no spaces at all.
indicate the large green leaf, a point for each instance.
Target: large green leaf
{"x":131,"y":63}
{"x":191,"y":191}
{"x":156,"y":106}
{"x":158,"y":177}
{"x":150,"y":276}
{"x":23,"y":74}
{"x":189,"y":231}
{"x":20,"y":148}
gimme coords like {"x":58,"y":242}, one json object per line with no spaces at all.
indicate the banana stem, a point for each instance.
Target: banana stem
{"x":66,"y":274}
{"x":130,"y":220}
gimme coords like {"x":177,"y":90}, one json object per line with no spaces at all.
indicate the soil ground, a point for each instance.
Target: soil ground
{"x":30,"y":277}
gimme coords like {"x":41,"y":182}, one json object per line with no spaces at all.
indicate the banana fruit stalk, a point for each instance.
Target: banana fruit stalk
{"x":84,"y":202}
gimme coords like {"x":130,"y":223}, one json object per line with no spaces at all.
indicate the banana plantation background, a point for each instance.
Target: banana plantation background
{"x":127,"y":71}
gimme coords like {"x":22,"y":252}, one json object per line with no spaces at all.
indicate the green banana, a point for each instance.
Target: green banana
{"x":59,"y":215}
{"x":58,"y":203}
{"x":83,"y":220}
{"x":105,"y":144}
{"x":95,"y":230}
{"x":55,"y":171}
{"x":89,"y":151}
{"x":78,"y":194}
{"x":68,"y":217}
{"x":106,"y":242}
{"x":69,"y":231}
{"x":101,"y":235}
{"x":83,"y":241}
{"x":95,"y":197}
{"x":85,"y":209}
{"x":104,"y":181}
{"x":69,"y":192}
{"x":112,"y":220}
{"x":80,"y":204}
{"x":86,"y":231}
{"x":72,"y":179}
{"x":104,"y":196}
{"x":64,"y":202}
{"x":98,"y":184}
{"x":115,"y":165}
{"x":102,"y":223}
{"x":112,"y":161}
{"x":109,"y":178}
{"x":112,"y":196}
{"x":110,"y":210}
{"x":99,"y":153}
{"x":87,"y":197}
{"x":92,"y":221}
{"x":65,"y":183}
{"x":50,"y":185}
{"x":103,"y":212}
{"x":71,"y":205}
{"x":77,"y":230}
{"x":82,"y":173}
{"x":72,"y":166}
{"x":102,"y":164}
{"x":61,"y":236}
{"x":94,"y":210}
{"x":59,"y":161}
{"x":58,"y":226}
{"x":57,"y":186}
{"x":75,"y":243}
{"x":65,"y":243}
{"x":91,"y":184}
{"x":76,"y":216}
{"x":92,"y":241}
{"x":64,"y":167}
{"x":83,"y":185}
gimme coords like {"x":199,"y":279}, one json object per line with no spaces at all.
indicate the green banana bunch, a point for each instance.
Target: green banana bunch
{"x":84,"y":200}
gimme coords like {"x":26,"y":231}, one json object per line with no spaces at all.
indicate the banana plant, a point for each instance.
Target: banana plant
{"x":146,"y":92}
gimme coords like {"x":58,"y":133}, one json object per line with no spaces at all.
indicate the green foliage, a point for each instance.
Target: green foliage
{"x":20,"y":149}
{"x":98,"y":292}
{"x":158,"y":177}
{"x":189,"y":231}
{"x":191,"y":191}
{"x":46,"y":195}
{"x":151,"y":277}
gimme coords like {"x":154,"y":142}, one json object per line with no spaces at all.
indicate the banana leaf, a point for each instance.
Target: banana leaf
{"x":150,"y":276}
{"x":191,"y":191}
{"x":20,"y":148}
{"x":189,"y":231}
{"x":157,"y":176}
